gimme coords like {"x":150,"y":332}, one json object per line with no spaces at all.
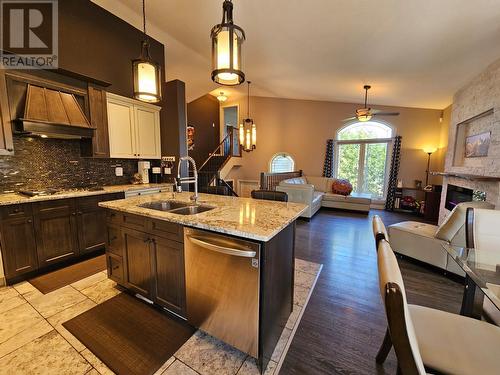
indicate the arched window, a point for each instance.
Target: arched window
{"x":364,"y":130}
{"x":362,"y":156}
{"x":281,"y":162}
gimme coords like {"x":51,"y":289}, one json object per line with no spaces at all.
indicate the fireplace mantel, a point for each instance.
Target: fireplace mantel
{"x":464,"y":176}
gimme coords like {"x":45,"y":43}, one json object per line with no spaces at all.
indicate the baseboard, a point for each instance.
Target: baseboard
{"x":2,"y":281}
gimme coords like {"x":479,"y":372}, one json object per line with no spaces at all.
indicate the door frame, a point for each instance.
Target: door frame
{"x":222,"y":124}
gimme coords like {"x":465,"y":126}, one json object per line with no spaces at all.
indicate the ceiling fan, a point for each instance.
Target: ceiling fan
{"x":366,"y":113}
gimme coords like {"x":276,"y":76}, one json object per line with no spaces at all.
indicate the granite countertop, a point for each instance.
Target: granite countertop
{"x":249,"y":218}
{"x":15,"y":198}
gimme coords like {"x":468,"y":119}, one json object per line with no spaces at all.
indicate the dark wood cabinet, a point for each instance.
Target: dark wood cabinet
{"x":115,"y":268}
{"x":91,"y":221}
{"x":169,"y":277}
{"x":18,"y":246}
{"x":56,"y":230}
{"x":147,"y":257}
{"x":137,"y":254}
{"x":6,"y":141}
{"x":99,"y":121}
{"x":36,"y":235}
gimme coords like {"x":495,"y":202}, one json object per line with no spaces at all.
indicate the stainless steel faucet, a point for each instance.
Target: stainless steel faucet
{"x":188,"y":180}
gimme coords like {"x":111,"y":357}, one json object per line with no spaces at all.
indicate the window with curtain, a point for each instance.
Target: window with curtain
{"x":281,"y":162}
{"x":362,"y":156}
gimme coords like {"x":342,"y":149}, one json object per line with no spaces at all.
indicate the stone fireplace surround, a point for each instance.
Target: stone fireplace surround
{"x":480,"y":95}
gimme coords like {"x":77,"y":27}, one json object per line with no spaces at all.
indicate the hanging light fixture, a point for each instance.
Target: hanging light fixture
{"x":147,"y":73}
{"x":221,"y":97}
{"x":227,"y":39}
{"x":248,"y":130}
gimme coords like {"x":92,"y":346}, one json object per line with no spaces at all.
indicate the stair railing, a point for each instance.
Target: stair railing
{"x":225,"y":148}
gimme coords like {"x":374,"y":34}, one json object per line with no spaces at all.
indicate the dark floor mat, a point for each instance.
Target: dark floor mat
{"x":68,"y":275}
{"x":129,"y":336}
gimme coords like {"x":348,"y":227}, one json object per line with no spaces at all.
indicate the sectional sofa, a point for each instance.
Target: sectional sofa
{"x":316,"y":192}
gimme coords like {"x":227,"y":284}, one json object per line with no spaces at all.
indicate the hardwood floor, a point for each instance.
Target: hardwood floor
{"x":344,"y":323}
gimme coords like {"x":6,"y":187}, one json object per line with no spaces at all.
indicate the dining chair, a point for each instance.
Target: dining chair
{"x":379,"y":230}
{"x":426,"y":338}
{"x":216,"y":190}
{"x":379,"y":234}
{"x":482,"y":231}
{"x":270,"y":195}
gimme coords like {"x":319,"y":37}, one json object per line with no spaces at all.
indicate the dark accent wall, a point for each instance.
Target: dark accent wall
{"x":173,"y":131}
{"x":55,"y":163}
{"x":97,"y":44}
{"x":203,"y":114}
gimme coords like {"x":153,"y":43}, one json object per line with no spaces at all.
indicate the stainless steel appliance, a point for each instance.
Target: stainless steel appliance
{"x":222,"y":282}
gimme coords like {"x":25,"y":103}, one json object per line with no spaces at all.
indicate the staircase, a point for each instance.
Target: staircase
{"x":209,"y":174}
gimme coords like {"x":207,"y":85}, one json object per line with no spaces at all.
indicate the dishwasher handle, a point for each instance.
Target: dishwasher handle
{"x":206,"y":244}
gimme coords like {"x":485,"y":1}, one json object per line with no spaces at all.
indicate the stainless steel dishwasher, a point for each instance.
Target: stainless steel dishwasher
{"x":222,"y":287}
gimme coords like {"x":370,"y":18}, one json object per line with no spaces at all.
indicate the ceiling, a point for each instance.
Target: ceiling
{"x":415,"y":53}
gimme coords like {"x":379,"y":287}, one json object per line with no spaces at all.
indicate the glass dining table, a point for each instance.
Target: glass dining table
{"x":482,"y":274}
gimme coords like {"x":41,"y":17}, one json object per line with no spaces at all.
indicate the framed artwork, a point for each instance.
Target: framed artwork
{"x":477,"y":145}
{"x":190,"y":138}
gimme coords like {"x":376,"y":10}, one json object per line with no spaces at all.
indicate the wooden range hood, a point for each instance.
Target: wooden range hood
{"x":53,"y":114}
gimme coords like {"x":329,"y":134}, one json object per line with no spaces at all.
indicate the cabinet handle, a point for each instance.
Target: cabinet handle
{"x":10,"y":149}
{"x":79,"y":212}
{"x":29,"y":221}
{"x":16,"y":210}
{"x":116,"y":267}
{"x":73,"y":213}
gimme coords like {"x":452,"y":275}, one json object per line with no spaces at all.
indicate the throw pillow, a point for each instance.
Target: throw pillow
{"x":342,"y":187}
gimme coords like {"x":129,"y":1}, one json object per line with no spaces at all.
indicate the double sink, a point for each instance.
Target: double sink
{"x":179,"y":208}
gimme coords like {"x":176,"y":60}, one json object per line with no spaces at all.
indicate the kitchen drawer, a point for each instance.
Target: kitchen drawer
{"x":113,"y":217}
{"x":16,"y":210}
{"x":51,"y":207}
{"x":115,"y":267}
{"x":133,"y":221}
{"x":114,"y":240}
{"x":92,"y":202}
{"x":166,"y":230}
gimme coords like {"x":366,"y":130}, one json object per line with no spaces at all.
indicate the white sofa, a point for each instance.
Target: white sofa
{"x":424,"y":242}
{"x":316,"y":192}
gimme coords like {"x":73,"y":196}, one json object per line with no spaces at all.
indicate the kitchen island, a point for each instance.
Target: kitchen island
{"x":228,"y":269}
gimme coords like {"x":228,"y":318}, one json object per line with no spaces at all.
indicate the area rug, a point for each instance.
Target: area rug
{"x":57,"y":279}
{"x":128,"y":335}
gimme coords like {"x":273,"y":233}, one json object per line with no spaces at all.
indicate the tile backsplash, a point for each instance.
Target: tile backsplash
{"x":56,"y":163}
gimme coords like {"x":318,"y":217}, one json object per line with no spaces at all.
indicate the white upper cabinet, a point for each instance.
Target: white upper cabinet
{"x":134,"y":128}
{"x":147,"y":129}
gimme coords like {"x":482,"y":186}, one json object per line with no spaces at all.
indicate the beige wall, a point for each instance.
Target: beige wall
{"x":301,"y":128}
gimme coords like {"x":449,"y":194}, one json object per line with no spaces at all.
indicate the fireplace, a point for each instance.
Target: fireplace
{"x":457,"y":194}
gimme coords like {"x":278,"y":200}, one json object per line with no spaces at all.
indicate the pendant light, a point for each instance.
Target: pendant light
{"x":147,"y":73}
{"x":248,"y":130}
{"x":227,"y":39}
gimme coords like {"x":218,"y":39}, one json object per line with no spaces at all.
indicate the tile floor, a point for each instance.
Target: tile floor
{"x":33,"y":340}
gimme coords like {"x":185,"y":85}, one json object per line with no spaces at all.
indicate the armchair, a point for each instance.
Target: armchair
{"x":299,"y":190}
{"x":424,"y":241}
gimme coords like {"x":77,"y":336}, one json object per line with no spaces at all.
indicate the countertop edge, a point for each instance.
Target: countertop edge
{"x":19,"y":199}
{"x":238,"y":233}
